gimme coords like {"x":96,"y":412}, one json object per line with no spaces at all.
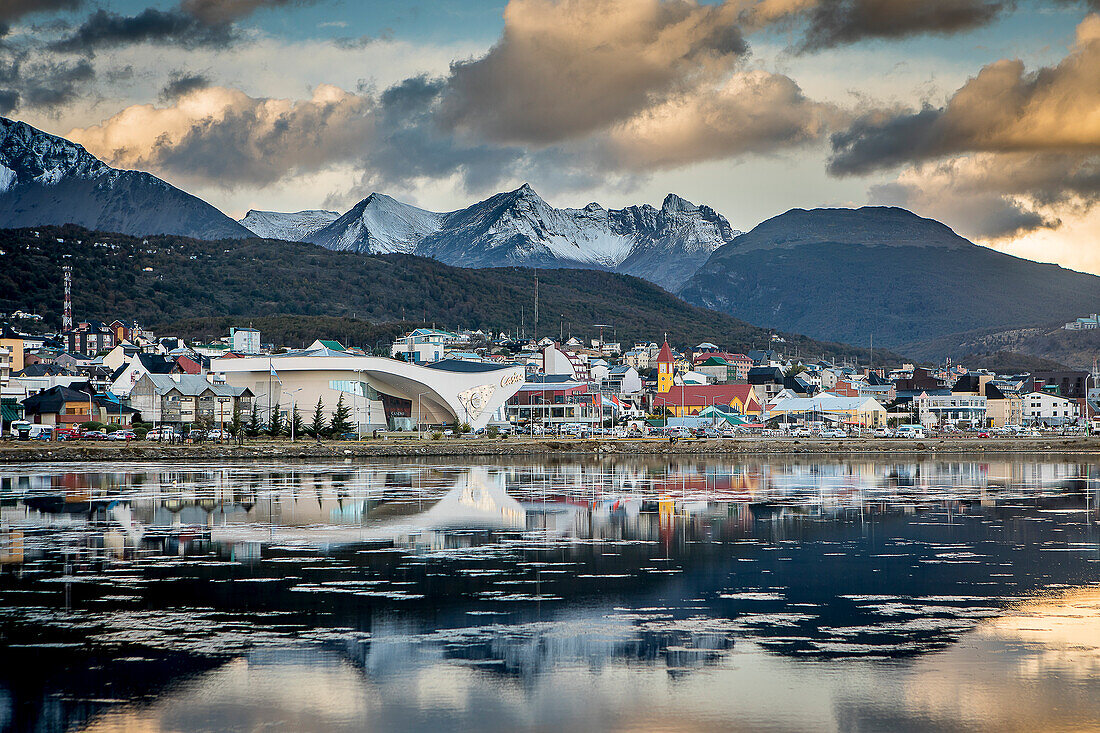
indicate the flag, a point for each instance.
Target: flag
{"x":273,"y":372}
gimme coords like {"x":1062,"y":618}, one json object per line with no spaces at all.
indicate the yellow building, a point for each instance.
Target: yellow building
{"x":14,"y":343}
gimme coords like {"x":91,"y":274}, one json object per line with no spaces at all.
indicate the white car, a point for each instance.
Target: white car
{"x":884,"y":433}
{"x":801,"y":433}
{"x":834,"y":433}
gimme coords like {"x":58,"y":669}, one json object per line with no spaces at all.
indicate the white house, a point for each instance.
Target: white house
{"x":1043,"y":408}
{"x":244,"y":340}
{"x":947,"y":409}
{"x":422,"y":346}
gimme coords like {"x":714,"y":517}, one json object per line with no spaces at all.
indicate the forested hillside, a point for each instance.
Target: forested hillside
{"x":167,"y":278}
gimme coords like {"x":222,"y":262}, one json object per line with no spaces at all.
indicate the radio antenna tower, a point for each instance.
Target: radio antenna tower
{"x":67,"y":314}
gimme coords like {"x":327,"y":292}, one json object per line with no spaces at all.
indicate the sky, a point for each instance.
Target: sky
{"x":984,"y":114}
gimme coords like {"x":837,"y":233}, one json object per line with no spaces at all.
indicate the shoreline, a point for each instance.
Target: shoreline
{"x":34,"y":452}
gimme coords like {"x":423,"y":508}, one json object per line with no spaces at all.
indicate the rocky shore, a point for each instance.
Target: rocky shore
{"x":34,"y":452}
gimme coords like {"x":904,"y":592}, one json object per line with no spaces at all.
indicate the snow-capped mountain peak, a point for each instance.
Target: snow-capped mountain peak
{"x":45,"y":179}
{"x":32,"y":156}
{"x":519,"y":227}
{"x":292,"y":227}
{"x":379,"y":224}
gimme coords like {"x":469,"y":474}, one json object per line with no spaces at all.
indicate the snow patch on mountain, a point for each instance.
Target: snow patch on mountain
{"x":291,"y":227}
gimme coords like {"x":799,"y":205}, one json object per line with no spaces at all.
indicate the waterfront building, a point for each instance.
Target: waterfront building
{"x":381,"y":393}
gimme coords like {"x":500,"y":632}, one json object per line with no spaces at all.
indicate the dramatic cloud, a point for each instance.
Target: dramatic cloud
{"x":839,"y":22}
{"x":567,"y":68}
{"x":223,"y":136}
{"x":214,"y":12}
{"x":15,"y":9}
{"x":753,"y":112}
{"x":104,"y":29}
{"x":997,"y":195}
{"x":1002,"y":109}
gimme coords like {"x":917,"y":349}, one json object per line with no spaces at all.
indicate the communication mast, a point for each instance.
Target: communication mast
{"x":67,"y":314}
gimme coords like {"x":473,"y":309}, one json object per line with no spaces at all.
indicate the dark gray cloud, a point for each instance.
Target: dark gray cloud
{"x":885,"y":140}
{"x":216,"y":12}
{"x":840,"y":22}
{"x":104,"y":29}
{"x":28,"y":83}
{"x":15,"y":9}
{"x":181,"y":83}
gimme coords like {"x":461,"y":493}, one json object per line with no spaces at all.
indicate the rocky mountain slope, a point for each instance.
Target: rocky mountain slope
{"x":292,"y":227}
{"x":46,"y":180}
{"x":518,"y":227}
{"x":850,"y":274}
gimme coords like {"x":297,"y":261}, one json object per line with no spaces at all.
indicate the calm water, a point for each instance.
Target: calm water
{"x":627,"y":596}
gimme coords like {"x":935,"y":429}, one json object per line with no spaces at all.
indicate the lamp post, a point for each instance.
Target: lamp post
{"x":419,"y":434}
{"x":292,"y":407}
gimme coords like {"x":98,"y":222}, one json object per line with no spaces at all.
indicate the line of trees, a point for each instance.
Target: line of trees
{"x":252,"y":426}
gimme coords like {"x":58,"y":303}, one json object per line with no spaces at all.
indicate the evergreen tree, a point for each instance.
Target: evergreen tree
{"x":236,"y":424}
{"x":275,"y":424}
{"x":296,"y":423}
{"x":341,"y":419}
{"x":252,"y":427}
{"x":317,"y":425}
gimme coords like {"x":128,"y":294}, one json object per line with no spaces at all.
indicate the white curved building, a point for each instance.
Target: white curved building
{"x":382,"y":394}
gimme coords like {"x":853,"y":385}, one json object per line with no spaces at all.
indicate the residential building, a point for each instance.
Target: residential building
{"x":244,"y":340}
{"x":90,"y":338}
{"x":1065,"y":383}
{"x":5,"y":365}
{"x":73,"y":405}
{"x":186,"y":399}
{"x":621,"y":380}
{"x":951,"y":409}
{"x":1045,"y":408}
{"x":422,"y":346}
{"x":1002,"y":408}
{"x":124,"y":378}
{"x":14,"y":342}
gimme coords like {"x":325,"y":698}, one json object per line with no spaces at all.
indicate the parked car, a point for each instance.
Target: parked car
{"x":912,"y":432}
{"x":800,"y":432}
{"x":161,"y":434}
{"x":216,"y":434}
{"x":122,"y":435}
{"x":196,"y":434}
{"x":834,"y":433}
{"x":350,"y":435}
{"x":94,"y":435}
{"x":883,"y":433}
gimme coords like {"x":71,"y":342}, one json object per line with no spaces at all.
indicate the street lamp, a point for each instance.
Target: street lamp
{"x":292,"y":407}
{"x":419,"y":434}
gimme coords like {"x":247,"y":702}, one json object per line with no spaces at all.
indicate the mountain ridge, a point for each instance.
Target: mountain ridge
{"x":46,"y":179}
{"x":881,"y":272}
{"x":520,"y":228}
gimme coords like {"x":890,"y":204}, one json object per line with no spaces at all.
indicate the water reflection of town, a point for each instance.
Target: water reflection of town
{"x":426,"y":506}
{"x":516,"y":569}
